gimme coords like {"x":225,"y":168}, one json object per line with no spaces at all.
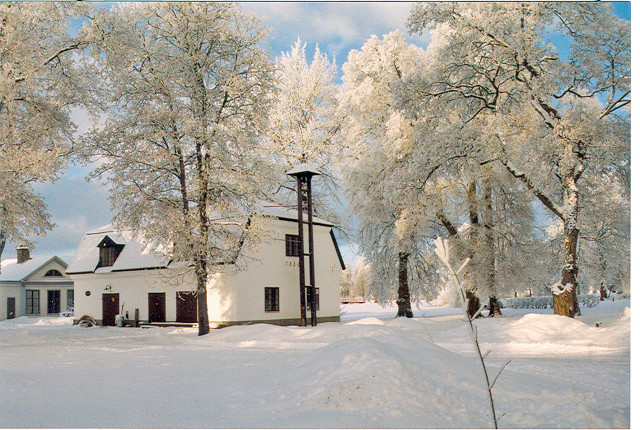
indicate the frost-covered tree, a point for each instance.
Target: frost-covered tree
{"x":377,"y":137}
{"x":302,"y":126}
{"x":412,"y":178}
{"x":355,"y":282}
{"x":40,"y":81}
{"x":604,"y":251}
{"x":545,"y":117}
{"x":188,"y":87}
{"x":361,"y":278}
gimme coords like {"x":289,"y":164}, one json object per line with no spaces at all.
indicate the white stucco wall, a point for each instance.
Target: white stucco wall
{"x":7,"y":291}
{"x":133,"y":288}
{"x":240,"y":296}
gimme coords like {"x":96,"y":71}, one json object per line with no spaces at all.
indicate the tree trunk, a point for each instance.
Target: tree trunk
{"x":603,"y":293}
{"x":473,"y":274}
{"x":473,"y":303}
{"x":404,"y":297}
{"x":203,"y":311}
{"x":490,"y":251}
{"x":565,"y":301}
{"x":494,"y":306}
{"x":3,"y":241}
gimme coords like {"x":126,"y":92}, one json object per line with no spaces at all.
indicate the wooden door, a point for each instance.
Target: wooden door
{"x":53,"y":302}
{"x":157,"y":311}
{"x":186,"y":307}
{"x":110,"y":308}
{"x":11,"y":307}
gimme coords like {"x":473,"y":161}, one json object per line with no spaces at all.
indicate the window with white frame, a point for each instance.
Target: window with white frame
{"x":33,"y":302}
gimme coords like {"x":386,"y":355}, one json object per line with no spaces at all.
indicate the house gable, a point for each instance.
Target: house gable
{"x":33,"y":269}
{"x":46,"y":272}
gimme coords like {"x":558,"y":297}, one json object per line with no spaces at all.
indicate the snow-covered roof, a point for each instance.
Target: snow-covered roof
{"x":11,"y":270}
{"x":281,"y":212}
{"x":303,"y":168}
{"x":134,"y":255}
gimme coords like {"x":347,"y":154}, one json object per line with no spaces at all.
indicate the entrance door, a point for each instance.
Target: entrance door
{"x":157,"y":307}
{"x":110,"y":308}
{"x":11,"y":307}
{"x":53,"y":302}
{"x":186,"y":307}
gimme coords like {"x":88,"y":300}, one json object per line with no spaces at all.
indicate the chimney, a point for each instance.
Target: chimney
{"x":23,"y":254}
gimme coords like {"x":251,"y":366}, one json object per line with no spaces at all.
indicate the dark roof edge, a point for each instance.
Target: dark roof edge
{"x":296,"y":220}
{"x":335,"y":244}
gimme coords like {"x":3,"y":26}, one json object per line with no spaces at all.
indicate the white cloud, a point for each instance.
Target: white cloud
{"x":336,"y":27}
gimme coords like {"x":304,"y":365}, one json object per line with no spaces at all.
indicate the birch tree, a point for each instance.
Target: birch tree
{"x":40,"y":81}
{"x":545,"y":118}
{"x":188,"y":85}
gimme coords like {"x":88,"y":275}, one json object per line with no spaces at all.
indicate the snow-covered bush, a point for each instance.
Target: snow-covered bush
{"x":588,"y":300}
{"x":543,"y":302}
{"x":546,"y":302}
{"x":450,"y":296}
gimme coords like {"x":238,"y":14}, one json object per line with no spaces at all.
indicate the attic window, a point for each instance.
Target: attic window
{"x":53,"y":272}
{"x":109,"y":252}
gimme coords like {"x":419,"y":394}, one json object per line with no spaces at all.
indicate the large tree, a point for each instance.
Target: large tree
{"x":546,"y":116}
{"x":302,"y":127}
{"x":378,"y":140}
{"x":412,"y":178}
{"x":40,"y":82}
{"x":187,"y":86}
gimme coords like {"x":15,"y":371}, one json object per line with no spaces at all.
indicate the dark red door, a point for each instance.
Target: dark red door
{"x":157,"y":307}
{"x":110,"y":308}
{"x":186,"y":307}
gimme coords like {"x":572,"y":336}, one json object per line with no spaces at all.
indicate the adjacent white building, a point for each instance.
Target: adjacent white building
{"x":114,"y":274}
{"x":34,"y":286}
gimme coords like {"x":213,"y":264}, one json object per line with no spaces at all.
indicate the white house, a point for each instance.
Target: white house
{"x":34,"y":286}
{"x":114,"y":274}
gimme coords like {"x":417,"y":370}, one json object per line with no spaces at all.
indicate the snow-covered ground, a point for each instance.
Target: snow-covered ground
{"x":368,"y":371}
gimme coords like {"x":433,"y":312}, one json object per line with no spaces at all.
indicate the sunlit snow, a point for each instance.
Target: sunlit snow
{"x":371,"y":370}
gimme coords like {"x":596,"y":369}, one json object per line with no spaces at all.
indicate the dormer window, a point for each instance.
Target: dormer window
{"x":109,"y":252}
{"x":53,"y":272}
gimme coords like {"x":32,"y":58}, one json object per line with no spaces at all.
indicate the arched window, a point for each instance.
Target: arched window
{"x":53,"y":272}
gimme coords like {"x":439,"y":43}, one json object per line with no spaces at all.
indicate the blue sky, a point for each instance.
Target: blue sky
{"x":336,"y":27}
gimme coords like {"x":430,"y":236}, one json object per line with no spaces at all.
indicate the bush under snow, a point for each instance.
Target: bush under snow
{"x":546,"y":302}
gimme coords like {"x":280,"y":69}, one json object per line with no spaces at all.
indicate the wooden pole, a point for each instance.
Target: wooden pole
{"x":312,"y":277}
{"x":303,"y":310}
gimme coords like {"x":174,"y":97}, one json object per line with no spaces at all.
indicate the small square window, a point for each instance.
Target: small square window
{"x":271,"y":299}
{"x":292,"y":243}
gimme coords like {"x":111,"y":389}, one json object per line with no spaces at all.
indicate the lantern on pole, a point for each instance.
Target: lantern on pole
{"x":303,"y":174}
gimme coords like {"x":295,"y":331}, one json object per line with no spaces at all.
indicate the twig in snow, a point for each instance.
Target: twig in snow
{"x":442,"y":251}
{"x":499,"y":371}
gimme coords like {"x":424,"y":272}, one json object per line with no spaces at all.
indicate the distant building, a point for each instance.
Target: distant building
{"x":114,"y":274}
{"x":34,"y":286}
